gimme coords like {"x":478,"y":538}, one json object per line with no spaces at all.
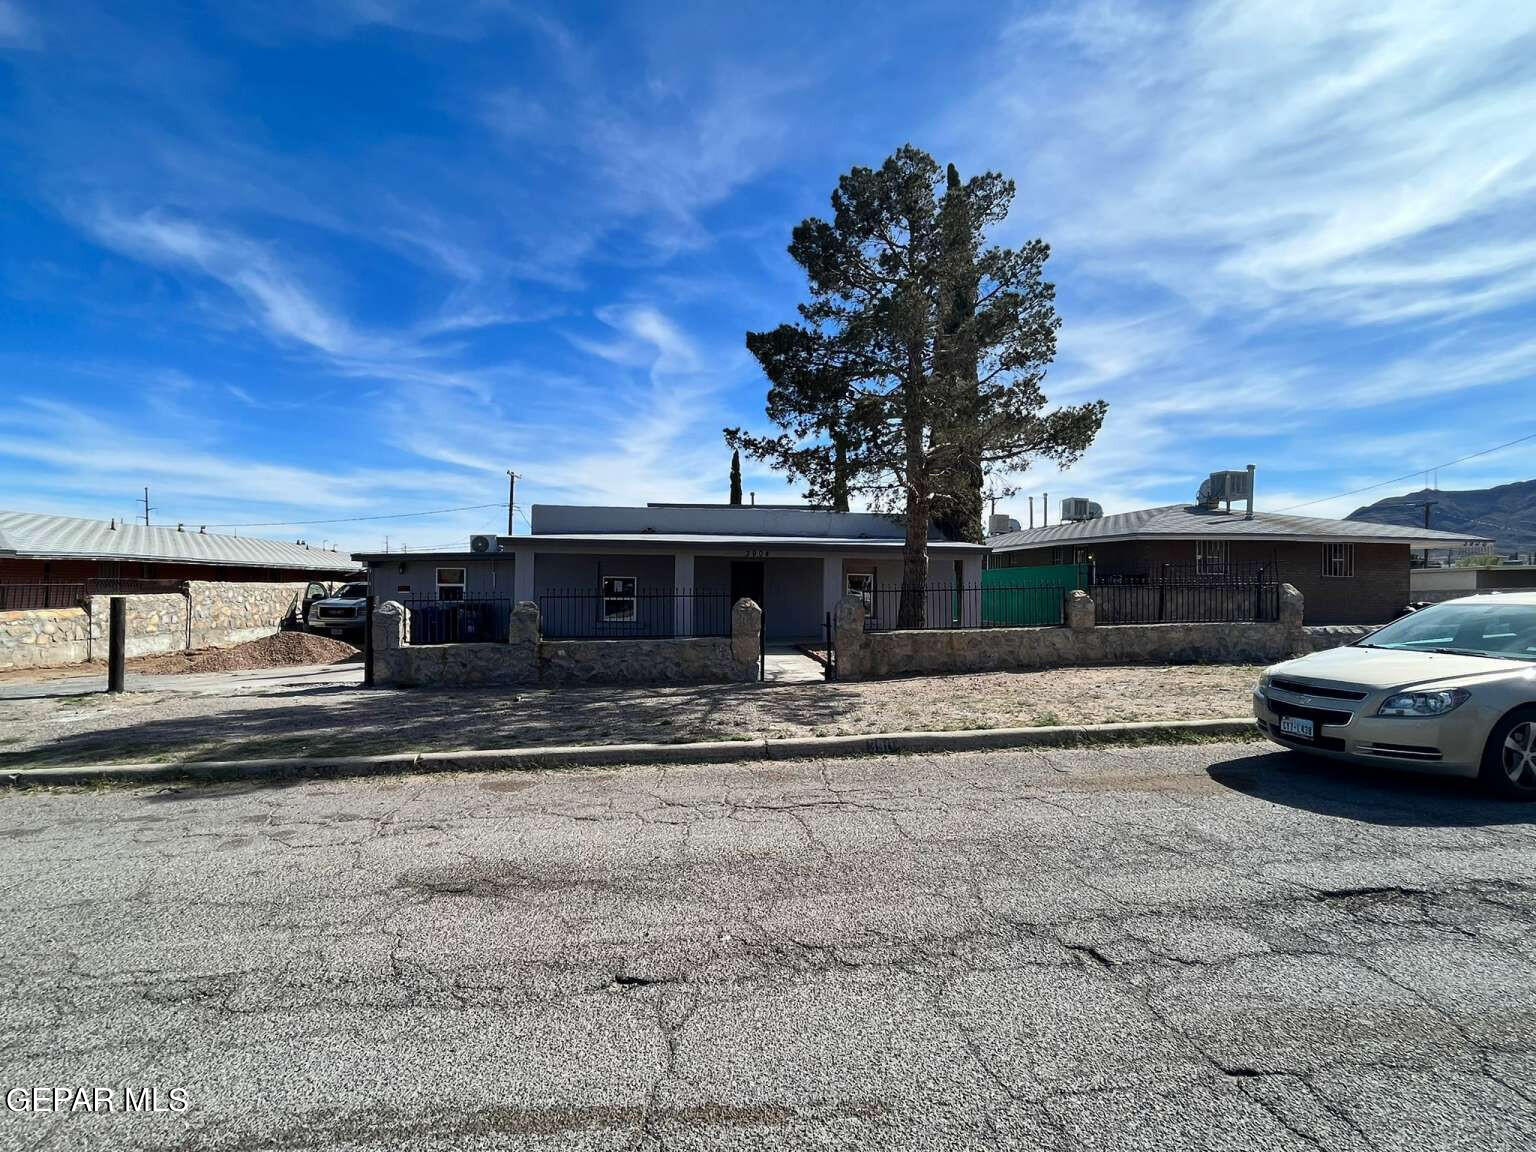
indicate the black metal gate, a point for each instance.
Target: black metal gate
{"x":829,"y":666}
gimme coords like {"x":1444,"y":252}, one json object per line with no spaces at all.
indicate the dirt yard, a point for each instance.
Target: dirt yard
{"x":280,"y":650}
{"x":289,"y":719}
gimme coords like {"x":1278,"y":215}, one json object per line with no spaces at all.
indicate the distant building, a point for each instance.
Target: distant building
{"x":1436,"y":584}
{"x":1349,"y":571}
{"x":110,"y":554}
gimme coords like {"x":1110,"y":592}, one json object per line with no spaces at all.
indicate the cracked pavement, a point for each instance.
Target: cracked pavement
{"x":1207,"y":947}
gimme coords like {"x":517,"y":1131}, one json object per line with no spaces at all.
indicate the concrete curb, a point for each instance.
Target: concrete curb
{"x":600,"y":755}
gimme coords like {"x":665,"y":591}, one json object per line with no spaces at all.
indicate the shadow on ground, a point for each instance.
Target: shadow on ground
{"x":334,"y":721}
{"x":1371,"y":795}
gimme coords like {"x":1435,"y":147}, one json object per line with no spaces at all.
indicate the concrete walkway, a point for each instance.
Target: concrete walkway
{"x":789,"y":666}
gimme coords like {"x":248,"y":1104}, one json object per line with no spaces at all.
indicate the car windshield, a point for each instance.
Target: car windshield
{"x":352,"y":592}
{"x":1506,"y":631}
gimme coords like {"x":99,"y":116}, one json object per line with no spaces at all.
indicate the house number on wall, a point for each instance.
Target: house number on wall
{"x":756,"y":553}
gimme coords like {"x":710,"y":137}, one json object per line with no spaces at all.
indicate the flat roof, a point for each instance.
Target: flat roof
{"x":655,"y":541}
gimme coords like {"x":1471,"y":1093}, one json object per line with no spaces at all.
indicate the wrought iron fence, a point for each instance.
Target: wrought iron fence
{"x":968,"y":606}
{"x":109,"y":586}
{"x":459,"y":621}
{"x":30,"y":597}
{"x":1186,"y":603}
{"x":1182,"y":574}
{"x":624,"y":612}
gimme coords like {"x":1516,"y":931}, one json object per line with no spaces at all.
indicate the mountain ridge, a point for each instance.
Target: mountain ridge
{"x":1506,"y":512}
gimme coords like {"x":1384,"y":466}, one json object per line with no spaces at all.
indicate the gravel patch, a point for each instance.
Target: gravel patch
{"x":278,"y":718}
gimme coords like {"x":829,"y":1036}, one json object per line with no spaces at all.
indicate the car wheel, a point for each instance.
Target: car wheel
{"x":1509,"y":760}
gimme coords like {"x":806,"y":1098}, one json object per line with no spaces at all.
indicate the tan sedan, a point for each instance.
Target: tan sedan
{"x":1449,"y":689}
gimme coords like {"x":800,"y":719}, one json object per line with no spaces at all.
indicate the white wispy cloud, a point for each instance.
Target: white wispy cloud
{"x":15,"y":27}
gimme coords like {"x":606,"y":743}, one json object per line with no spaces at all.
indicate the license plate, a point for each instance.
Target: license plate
{"x":339,"y":631}
{"x":1297,"y":726}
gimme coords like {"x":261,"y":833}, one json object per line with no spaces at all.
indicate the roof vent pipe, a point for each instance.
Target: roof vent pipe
{"x":112,"y":527}
{"x":1251,"y":470}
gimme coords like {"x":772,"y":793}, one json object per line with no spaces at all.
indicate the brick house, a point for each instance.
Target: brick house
{"x":1349,"y":571}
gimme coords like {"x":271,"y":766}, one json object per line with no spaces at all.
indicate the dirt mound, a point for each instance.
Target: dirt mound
{"x":281,"y":650}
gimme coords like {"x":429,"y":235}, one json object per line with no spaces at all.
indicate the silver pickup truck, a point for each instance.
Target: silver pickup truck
{"x":342,"y":613}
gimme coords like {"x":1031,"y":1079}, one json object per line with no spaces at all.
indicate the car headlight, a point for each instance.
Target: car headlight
{"x":1421,"y":704}
{"x":1264,"y":679}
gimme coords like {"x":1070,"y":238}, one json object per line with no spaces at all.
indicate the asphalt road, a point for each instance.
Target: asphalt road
{"x":1205,"y":947}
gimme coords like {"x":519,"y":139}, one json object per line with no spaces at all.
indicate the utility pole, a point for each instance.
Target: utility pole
{"x":147,"y":508}
{"x":511,"y":501}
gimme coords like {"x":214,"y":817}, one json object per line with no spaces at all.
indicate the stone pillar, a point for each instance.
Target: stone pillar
{"x":848,"y":629}
{"x":391,"y":627}
{"x":746,"y":637}
{"x":1080,"y":611}
{"x":524,"y":626}
{"x":1292,"y":611}
{"x":682,"y":580}
{"x":524,"y":638}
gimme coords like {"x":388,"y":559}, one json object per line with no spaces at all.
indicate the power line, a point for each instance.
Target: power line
{"x":357,"y":519}
{"x":1409,"y":475}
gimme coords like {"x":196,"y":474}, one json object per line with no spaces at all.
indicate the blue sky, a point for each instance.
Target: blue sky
{"x":286,"y":262}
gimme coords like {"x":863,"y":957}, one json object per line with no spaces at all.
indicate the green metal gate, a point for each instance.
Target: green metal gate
{"x":1027,"y":597}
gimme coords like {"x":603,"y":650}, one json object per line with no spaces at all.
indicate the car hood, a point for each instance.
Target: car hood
{"x":1380,"y":668}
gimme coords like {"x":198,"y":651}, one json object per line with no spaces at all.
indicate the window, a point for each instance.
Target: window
{"x":1212,"y":557}
{"x":1507,"y":631}
{"x":1338,"y":559}
{"x":862,"y":585}
{"x":618,"y":599}
{"x":450,"y":583}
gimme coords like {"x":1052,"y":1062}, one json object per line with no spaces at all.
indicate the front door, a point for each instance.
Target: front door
{"x":747,"y":581}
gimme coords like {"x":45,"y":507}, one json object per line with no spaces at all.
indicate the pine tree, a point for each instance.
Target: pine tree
{"x":735,"y":477}
{"x":917,"y":361}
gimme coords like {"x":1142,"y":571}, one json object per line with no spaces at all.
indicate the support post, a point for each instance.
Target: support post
{"x":117,"y":641}
{"x":682,"y":596}
{"x":368,"y":642}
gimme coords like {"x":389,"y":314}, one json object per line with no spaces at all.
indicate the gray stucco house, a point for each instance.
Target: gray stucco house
{"x":612,"y":570}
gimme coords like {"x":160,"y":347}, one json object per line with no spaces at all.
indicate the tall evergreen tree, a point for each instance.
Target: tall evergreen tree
{"x":921,"y":348}
{"x":959,"y":514}
{"x":735,"y":476}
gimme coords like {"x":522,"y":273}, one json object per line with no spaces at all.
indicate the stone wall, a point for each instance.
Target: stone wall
{"x":44,"y":638}
{"x":861,"y":655}
{"x":527,"y":658}
{"x":210,"y":614}
{"x":155,"y":624}
{"x":224,"y":613}
{"x":1321,"y":637}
